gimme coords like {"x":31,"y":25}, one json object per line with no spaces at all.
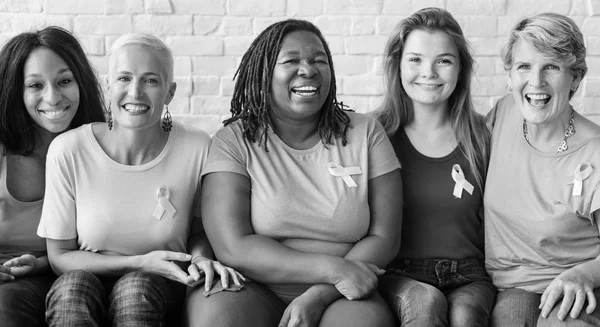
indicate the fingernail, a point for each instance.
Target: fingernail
{"x":187,"y":256}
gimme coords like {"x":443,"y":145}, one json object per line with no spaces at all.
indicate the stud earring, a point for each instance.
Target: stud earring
{"x":167,"y":122}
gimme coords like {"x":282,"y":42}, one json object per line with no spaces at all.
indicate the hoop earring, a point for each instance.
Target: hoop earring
{"x":167,"y":122}
{"x":109,"y":118}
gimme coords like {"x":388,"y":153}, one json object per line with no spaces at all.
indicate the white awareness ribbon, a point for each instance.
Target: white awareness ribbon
{"x":583,"y":171}
{"x":164,"y":207}
{"x":344,"y":172}
{"x":461,"y":182}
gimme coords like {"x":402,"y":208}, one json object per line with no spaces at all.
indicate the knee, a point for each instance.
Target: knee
{"x":138,"y":286}
{"x":426,"y":298}
{"x":74,"y":285}
{"x":468,"y":314}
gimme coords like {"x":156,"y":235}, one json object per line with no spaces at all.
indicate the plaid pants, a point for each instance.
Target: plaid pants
{"x":80,"y":298}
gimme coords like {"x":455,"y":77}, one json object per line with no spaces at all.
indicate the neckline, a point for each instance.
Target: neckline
{"x":414,"y":150}
{"x":98,"y":149}
{"x":276,"y":139}
{"x":530,"y":148}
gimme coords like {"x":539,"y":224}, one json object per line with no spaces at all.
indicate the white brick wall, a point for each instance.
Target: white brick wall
{"x":208,"y":37}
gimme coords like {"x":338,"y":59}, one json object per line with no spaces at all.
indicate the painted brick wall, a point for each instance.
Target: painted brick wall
{"x":208,"y":37}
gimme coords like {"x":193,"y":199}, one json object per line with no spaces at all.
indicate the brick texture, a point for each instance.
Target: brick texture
{"x":208,"y":38}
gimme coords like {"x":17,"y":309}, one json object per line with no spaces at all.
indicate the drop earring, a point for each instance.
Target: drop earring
{"x":167,"y":122}
{"x":109,"y":118}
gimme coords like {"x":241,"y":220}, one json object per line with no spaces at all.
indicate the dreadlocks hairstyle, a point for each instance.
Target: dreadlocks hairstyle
{"x":251,"y":100}
{"x":17,"y":129}
{"x":397,"y":109}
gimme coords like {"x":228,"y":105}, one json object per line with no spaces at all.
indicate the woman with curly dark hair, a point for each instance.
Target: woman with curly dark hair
{"x":298,"y":194}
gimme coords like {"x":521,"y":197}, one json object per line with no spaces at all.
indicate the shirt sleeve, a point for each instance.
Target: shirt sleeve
{"x":59,"y":214}
{"x":595,"y":203}
{"x":205,"y":142}
{"x":382,"y":158}
{"x":225,"y":153}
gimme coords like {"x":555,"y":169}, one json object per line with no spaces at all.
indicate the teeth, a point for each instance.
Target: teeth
{"x":53,"y":113}
{"x":429,"y":86}
{"x":538,"y":96}
{"x":305,"y":89}
{"x":135,"y":107}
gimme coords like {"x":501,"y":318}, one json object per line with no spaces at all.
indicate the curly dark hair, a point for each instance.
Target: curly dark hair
{"x":17,"y":132}
{"x":251,"y":100}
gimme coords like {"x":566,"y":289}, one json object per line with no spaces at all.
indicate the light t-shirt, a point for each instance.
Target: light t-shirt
{"x":535,"y":228}
{"x":18,"y":222}
{"x":110,"y":207}
{"x":294,"y":197}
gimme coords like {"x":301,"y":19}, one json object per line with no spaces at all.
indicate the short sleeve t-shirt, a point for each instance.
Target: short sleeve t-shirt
{"x":113,"y":208}
{"x":294,"y":197}
{"x":535,"y":227}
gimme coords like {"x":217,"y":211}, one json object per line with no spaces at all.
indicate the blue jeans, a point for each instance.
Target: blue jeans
{"x":518,"y":308}
{"x":438,"y":292}
{"x":80,"y":298}
{"x":22,"y":301}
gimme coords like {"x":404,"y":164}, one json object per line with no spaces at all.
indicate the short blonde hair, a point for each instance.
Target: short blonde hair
{"x":150,"y":41}
{"x":554,"y":35}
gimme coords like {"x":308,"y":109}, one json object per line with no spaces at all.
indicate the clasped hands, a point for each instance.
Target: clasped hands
{"x":201,"y":269}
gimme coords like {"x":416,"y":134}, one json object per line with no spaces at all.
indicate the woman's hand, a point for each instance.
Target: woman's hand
{"x":161,"y":262}
{"x":357,"y":279}
{"x":5,"y":275}
{"x":574,"y":286}
{"x":201,"y":265}
{"x":304,"y":311}
{"x":21,"y":266}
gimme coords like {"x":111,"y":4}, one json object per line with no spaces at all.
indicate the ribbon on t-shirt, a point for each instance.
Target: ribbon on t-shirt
{"x":164,"y":207}
{"x":461,"y":182}
{"x":583,"y":171}
{"x":344,"y":172}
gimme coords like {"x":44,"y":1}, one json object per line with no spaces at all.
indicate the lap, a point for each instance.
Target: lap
{"x":367,"y":312}
{"x":254,"y":305}
{"x":22,"y":301}
{"x":515,"y":307}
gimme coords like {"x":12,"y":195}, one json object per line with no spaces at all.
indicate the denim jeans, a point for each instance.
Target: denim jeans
{"x":438,"y":292}
{"x":518,"y":308}
{"x":22,"y":301}
{"x":79,"y":298}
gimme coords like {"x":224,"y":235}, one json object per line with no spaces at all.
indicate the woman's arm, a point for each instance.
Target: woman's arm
{"x":202,"y":263}
{"x":65,"y":256}
{"x":382,"y":242}
{"x":379,"y":247}
{"x":226,"y":217}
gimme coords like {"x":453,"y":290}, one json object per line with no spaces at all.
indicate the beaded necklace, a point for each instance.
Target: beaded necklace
{"x":570,"y":131}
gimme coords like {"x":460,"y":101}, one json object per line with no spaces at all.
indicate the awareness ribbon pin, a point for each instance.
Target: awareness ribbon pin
{"x":164,"y":206}
{"x":344,"y":173}
{"x":461,"y":182}
{"x":583,"y":171}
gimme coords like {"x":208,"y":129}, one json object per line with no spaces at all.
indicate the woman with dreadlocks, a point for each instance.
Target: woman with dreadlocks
{"x":298,"y":194}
